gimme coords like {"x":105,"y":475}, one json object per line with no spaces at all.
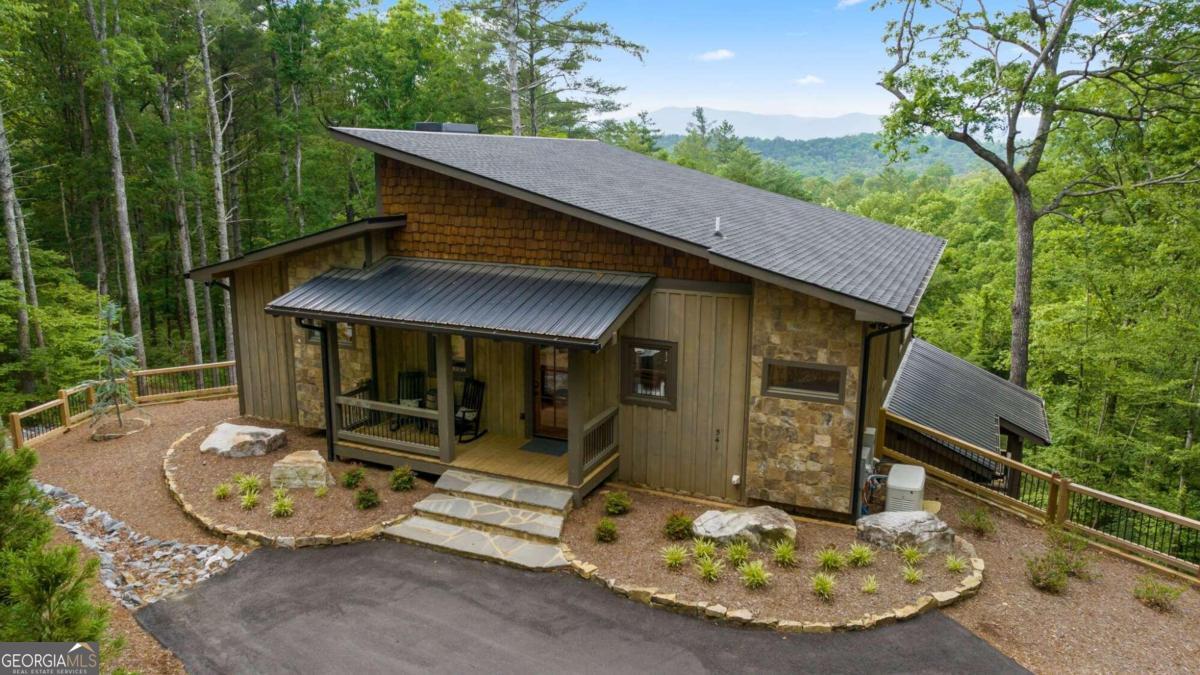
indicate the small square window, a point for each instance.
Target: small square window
{"x":807,"y":381}
{"x":648,"y":372}
{"x":345,"y":335}
{"x":462,"y":356}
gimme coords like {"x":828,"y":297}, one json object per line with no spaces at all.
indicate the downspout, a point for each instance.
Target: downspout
{"x":860,"y":420}
{"x":327,"y":386}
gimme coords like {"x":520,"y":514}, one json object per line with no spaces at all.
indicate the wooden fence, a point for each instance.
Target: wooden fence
{"x":1151,"y":536}
{"x":157,"y":385}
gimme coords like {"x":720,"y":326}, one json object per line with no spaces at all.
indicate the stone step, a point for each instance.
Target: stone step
{"x":490,"y":488}
{"x":500,"y":518}
{"x":475,"y":543}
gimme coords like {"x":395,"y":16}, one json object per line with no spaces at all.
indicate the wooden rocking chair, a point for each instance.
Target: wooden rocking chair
{"x":410,"y":390}
{"x":469,"y":411}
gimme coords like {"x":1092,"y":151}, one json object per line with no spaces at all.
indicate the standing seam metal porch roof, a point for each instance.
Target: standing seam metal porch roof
{"x":549,"y":304}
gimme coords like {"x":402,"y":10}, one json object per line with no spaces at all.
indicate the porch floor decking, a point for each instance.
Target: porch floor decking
{"x":494,"y":454}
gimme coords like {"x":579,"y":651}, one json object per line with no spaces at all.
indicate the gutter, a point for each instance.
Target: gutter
{"x":860,"y":420}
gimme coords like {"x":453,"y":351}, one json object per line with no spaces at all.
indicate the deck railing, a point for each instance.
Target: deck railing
{"x":1146,"y":534}
{"x":599,"y":439}
{"x":74,"y":405}
{"x":387,"y":425}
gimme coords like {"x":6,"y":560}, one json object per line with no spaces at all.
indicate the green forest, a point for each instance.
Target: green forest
{"x":141,"y":138}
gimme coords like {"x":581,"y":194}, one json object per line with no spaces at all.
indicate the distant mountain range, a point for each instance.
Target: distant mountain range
{"x":792,"y":127}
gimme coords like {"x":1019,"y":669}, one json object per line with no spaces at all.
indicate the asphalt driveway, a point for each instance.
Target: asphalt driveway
{"x":386,"y":607}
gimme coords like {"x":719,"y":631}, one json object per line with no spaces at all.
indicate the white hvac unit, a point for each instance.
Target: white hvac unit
{"x":905,"y":488}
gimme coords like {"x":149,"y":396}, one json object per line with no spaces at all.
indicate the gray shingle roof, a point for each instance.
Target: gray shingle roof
{"x":939,"y":390}
{"x":856,"y":257}
{"x":550,"y":304}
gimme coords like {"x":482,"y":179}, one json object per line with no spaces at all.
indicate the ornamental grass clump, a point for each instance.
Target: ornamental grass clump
{"x":823,"y":585}
{"x":617,"y":503}
{"x":737,"y":553}
{"x":366,"y":498}
{"x":956,"y":564}
{"x":222,"y":491}
{"x":912,"y":575}
{"x":282,"y":506}
{"x":783,"y":552}
{"x":978,"y":520}
{"x":870,"y":585}
{"x":247,"y":482}
{"x":674,"y":556}
{"x":709,"y":569}
{"x":249,"y":500}
{"x":704,"y":548}
{"x":402,"y":479}
{"x":321,"y":492}
{"x":353,"y":477}
{"x":911,"y":555}
{"x":830,"y":559}
{"x":678,"y":527}
{"x":606,"y":531}
{"x":1155,"y":594}
{"x":754,"y":576}
{"x":861,"y":555}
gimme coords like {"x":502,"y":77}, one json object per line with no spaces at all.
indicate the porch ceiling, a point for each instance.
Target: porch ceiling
{"x":568,"y":307}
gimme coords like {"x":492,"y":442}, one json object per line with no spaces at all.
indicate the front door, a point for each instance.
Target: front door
{"x":550,"y":391}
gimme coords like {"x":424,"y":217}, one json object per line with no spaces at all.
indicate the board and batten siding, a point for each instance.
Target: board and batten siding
{"x":698,"y":447}
{"x":265,"y":360}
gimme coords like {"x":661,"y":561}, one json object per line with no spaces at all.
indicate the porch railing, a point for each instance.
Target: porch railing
{"x":599,"y":439}
{"x":388,"y":425}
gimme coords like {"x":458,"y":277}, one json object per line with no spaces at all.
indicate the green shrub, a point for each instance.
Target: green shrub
{"x":830,"y":559}
{"x":956,"y":564}
{"x":911,"y":555}
{"x":678,"y":527}
{"x":912,"y":575}
{"x":249,"y":500}
{"x":861,"y":555}
{"x":46,"y":597}
{"x":978,"y":520}
{"x":783,"y":552}
{"x":23,"y":519}
{"x":674,"y":556}
{"x":606,"y":530}
{"x":222,"y":491}
{"x":321,"y":492}
{"x":754,"y":575}
{"x":1155,"y":594}
{"x":823,"y":585}
{"x":402,"y":479}
{"x":1070,"y":553}
{"x":282,"y":506}
{"x":353,"y":477}
{"x":366,"y":498}
{"x":870,"y":585}
{"x":617,"y":503}
{"x":1046,"y":573}
{"x":709,"y":569}
{"x":737,"y":552}
{"x":247,"y":483}
{"x":279,"y":493}
{"x":704,"y":548}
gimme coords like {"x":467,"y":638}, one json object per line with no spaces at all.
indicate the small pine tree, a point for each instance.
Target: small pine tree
{"x":48,"y":600}
{"x":114,"y":351}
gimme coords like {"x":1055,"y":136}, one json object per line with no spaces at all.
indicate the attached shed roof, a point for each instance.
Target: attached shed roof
{"x":961,"y":400}
{"x":571,"y":307}
{"x":823,"y":251}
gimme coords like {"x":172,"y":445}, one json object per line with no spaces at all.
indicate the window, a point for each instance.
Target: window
{"x":462,"y":356}
{"x":345,"y":335}
{"x":808,"y":381}
{"x":648,"y":372}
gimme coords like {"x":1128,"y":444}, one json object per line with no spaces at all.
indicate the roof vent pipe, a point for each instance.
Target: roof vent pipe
{"x":717,"y":228}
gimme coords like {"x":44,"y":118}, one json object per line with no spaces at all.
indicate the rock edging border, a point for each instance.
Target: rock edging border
{"x":254,"y":537}
{"x":967,"y":587}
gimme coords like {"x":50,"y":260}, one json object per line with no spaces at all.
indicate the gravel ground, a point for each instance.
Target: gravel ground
{"x":635,"y":558}
{"x":333,"y":514}
{"x":1094,"y":627}
{"x":124,"y":476}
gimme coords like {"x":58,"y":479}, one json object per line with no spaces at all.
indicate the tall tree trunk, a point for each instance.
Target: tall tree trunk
{"x":218,"y":151}
{"x":231,"y":176}
{"x":100,"y":33}
{"x":297,"y":157}
{"x":184,"y":236}
{"x":1022,"y":288}
{"x":9,"y":199}
{"x":511,"y":18}
{"x":285,"y":165}
{"x":30,"y":281}
{"x":62,"y":202}
{"x":85,"y":125}
{"x":210,"y":330}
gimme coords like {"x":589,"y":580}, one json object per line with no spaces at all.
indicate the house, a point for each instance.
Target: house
{"x":562,"y":311}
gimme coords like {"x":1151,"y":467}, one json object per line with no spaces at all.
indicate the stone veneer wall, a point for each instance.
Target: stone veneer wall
{"x":800,"y":452}
{"x":451,"y":219}
{"x":355,"y":357}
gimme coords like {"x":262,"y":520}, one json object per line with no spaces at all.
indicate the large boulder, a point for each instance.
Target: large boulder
{"x":759,"y":526}
{"x":922,"y":529}
{"x":238,"y":440}
{"x":301,"y":469}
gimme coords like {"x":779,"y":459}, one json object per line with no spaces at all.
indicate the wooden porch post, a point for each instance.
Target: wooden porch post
{"x":330,"y":351}
{"x":445,"y":394}
{"x":577,"y":398}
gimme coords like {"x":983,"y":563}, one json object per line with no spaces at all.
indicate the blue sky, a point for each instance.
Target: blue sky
{"x":800,"y":57}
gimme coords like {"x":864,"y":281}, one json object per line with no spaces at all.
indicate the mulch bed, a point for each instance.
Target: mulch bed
{"x":1094,"y":626}
{"x":334,"y":514}
{"x":635,"y":559}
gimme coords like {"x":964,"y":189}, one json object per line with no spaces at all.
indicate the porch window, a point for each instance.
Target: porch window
{"x":648,"y":372}
{"x":345,"y":335}
{"x":806,"y":381}
{"x":462,"y":356}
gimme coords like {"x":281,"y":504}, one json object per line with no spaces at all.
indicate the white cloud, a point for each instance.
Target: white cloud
{"x":715,"y":55}
{"x":807,"y":80}
{"x":843,"y":4}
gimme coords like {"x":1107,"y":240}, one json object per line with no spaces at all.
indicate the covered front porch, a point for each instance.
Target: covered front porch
{"x":504,"y":370}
